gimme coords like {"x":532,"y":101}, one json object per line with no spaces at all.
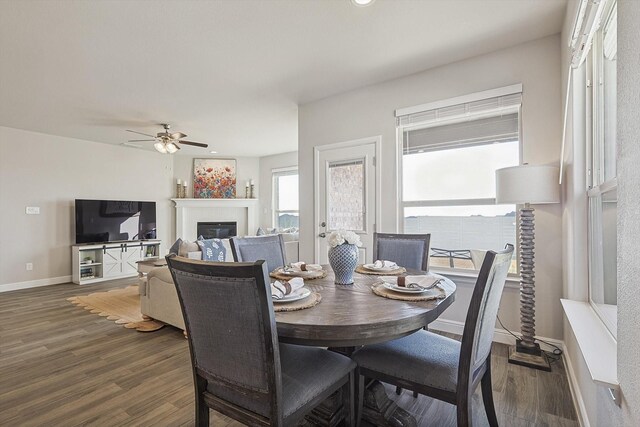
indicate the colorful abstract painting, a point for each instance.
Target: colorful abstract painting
{"x":214,"y":178}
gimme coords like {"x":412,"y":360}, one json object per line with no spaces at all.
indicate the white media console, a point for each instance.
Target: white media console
{"x":93,"y":263}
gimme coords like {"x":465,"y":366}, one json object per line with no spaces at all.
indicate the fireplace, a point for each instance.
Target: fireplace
{"x":217,"y":230}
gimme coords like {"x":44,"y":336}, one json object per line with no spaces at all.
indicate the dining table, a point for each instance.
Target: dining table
{"x":350,"y":316}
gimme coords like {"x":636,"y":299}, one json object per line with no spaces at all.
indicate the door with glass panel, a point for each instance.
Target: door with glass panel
{"x":346,"y":196}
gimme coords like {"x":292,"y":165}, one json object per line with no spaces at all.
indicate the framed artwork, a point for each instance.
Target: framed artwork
{"x":214,"y":178}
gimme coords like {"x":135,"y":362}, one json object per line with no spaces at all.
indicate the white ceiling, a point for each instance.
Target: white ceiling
{"x":229,"y":73}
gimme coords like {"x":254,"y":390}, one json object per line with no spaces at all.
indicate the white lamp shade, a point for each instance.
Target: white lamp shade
{"x":527,"y":184}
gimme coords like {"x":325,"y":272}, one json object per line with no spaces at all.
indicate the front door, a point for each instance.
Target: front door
{"x":346,"y":195}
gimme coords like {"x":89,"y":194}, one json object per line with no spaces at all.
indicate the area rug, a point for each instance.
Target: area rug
{"x":121,"y":305}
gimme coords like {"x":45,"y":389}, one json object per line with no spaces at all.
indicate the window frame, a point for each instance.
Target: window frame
{"x":597,"y":184}
{"x":275,"y":208}
{"x":402,"y":204}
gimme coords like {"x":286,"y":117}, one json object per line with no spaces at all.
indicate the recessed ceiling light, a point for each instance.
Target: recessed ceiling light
{"x":213,"y":152}
{"x":362,"y":3}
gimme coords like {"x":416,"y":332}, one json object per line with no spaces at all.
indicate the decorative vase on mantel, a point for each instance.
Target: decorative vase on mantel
{"x":343,"y":255}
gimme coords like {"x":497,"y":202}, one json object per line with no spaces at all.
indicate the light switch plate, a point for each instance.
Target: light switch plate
{"x":33,"y":210}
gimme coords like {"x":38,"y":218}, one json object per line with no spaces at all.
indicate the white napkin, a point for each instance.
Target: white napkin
{"x":423,"y":281}
{"x":283,"y":288}
{"x":385,"y":264}
{"x":301,"y":266}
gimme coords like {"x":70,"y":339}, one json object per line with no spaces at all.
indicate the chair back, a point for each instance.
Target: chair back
{"x":483,"y":310}
{"x":407,"y":250}
{"x":269,"y":248}
{"x":230,"y":324}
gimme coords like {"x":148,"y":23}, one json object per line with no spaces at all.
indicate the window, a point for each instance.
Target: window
{"x":285,"y":198}
{"x":602,"y":183}
{"x":448,"y":179}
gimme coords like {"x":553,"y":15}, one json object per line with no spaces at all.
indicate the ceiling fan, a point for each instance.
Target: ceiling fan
{"x":166,"y":142}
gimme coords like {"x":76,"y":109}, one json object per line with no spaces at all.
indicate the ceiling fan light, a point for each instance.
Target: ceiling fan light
{"x":160,"y":148}
{"x":171,"y":147}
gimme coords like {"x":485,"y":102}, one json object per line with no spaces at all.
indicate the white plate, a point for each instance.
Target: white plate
{"x":396,"y":288}
{"x":374,"y":268}
{"x":298,"y":296}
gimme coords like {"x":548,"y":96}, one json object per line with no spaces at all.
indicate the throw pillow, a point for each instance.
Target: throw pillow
{"x":212,"y":250}
{"x":175,"y":248}
{"x":186,"y":247}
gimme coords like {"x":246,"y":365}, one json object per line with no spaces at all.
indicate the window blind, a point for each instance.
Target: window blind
{"x":503,"y":128}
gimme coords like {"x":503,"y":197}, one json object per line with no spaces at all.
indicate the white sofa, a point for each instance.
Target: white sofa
{"x":158,"y":297}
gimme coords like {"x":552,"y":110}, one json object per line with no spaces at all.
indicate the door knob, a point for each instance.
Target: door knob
{"x":323,"y":235}
{"x":323,"y":224}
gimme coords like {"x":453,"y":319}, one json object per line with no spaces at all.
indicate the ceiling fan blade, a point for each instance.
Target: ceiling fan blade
{"x":195,"y":144}
{"x":177,"y":135}
{"x":140,"y":133}
{"x":141,"y":140}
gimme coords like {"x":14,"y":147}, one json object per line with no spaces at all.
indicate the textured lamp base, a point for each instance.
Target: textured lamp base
{"x":529,"y":357}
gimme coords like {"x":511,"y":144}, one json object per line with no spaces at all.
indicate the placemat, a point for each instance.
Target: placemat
{"x":310,"y":301}
{"x":400,"y":270}
{"x":306,"y":275}
{"x":380,"y":290}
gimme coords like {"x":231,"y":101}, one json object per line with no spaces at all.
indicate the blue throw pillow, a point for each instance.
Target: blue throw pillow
{"x":212,"y":250}
{"x":175,"y":248}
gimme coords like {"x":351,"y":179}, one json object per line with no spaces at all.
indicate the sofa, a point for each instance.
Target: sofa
{"x":158,"y":297}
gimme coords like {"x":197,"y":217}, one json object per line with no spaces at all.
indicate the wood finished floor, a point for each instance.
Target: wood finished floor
{"x":63,"y":366}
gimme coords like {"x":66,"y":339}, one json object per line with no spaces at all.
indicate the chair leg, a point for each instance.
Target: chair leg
{"x":463,"y":409}
{"x":202,"y":410}
{"x":348,"y":400}
{"x":360,"y":396}
{"x":487,"y":396}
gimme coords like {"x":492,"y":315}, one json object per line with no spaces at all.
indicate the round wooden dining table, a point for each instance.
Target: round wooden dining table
{"x":352,"y":315}
{"x":349,"y":316}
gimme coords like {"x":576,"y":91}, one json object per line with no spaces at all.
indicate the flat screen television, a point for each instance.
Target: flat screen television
{"x":100,"y":221}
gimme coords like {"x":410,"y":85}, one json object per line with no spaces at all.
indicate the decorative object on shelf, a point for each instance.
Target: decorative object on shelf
{"x":183,"y":192}
{"x":343,"y":255}
{"x":525,"y":185}
{"x":214,"y":178}
{"x":179,"y":189}
{"x":252,"y":194}
{"x":246,"y":191}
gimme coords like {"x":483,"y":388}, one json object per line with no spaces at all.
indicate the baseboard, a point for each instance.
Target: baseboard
{"x":578,"y":401}
{"x":501,"y":335}
{"x":34,"y":283}
{"x":504,"y":337}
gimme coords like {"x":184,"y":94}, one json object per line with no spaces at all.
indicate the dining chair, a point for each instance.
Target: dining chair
{"x":441,"y":367}
{"x":269,"y":248}
{"x":406,"y":250}
{"x":239,"y":367}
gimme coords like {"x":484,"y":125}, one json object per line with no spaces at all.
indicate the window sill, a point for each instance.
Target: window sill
{"x":461,"y":277}
{"x":599,"y":348}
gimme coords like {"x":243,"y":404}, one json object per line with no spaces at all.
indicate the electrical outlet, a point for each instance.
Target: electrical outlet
{"x":29,"y":266}
{"x":33,"y":210}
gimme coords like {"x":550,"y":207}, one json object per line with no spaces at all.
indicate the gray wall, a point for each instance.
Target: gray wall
{"x":369,"y":112}
{"x":51,"y":172}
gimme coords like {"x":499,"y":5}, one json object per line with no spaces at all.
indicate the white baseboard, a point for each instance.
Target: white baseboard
{"x":504,"y":337}
{"x":578,"y":401}
{"x":34,"y":283}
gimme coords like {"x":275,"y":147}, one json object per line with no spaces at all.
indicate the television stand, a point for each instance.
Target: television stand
{"x":97,"y":262}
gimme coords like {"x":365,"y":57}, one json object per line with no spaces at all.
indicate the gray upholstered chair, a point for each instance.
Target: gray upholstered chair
{"x":239,"y":368}
{"x":269,"y":248}
{"x":441,"y":367}
{"x":406,"y":250}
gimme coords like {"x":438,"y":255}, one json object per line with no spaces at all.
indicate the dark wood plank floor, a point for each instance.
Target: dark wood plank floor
{"x":63,"y":366}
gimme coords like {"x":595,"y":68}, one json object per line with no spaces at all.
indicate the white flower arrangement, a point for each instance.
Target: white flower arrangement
{"x":340,"y":237}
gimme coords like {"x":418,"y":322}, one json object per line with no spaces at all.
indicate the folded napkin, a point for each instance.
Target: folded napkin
{"x":283,"y":288}
{"x":412,"y":281}
{"x":385,"y":264}
{"x":301,"y":266}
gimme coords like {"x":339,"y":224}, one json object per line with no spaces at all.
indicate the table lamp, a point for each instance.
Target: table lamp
{"x":526,"y":185}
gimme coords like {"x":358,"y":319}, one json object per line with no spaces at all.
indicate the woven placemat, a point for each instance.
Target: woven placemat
{"x":362,"y":270}
{"x":306,"y":275}
{"x":380,"y":290}
{"x":308,"y":302}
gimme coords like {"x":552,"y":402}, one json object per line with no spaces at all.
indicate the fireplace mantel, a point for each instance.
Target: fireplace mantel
{"x":190,"y":211}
